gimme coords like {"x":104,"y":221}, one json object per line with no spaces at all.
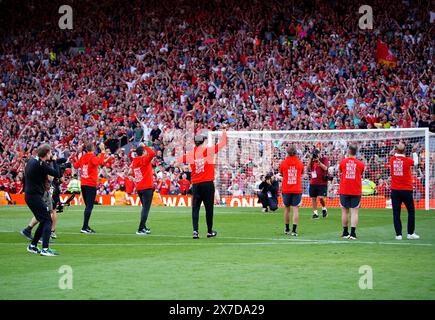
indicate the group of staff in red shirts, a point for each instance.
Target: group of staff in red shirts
{"x":201,"y":160}
{"x":351,"y":172}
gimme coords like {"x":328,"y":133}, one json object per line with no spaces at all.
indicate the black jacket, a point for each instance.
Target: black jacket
{"x":35,"y":175}
{"x":273,"y":188}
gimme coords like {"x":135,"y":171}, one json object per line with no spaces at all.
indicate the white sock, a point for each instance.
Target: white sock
{"x":323,"y":208}
{"x":315,"y":212}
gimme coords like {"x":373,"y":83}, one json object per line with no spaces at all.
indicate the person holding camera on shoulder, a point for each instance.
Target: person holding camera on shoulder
{"x":318,"y":169}
{"x":35,"y":193}
{"x":269,"y":193}
{"x":52,"y":198}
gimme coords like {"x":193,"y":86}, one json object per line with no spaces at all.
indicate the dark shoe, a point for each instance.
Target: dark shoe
{"x":87,"y":230}
{"x":33,"y":249}
{"x":26,"y":234}
{"x":48,"y":253}
{"x":195,"y":235}
{"x":324,"y":213}
{"x":211,"y":234}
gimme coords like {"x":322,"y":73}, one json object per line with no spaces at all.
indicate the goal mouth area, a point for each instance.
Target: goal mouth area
{"x":250,"y":154}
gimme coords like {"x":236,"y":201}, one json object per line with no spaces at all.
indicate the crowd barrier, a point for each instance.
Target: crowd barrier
{"x":230,"y":201}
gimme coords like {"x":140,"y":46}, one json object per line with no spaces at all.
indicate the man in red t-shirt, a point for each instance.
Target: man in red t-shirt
{"x":318,"y":167}
{"x":164,"y":184}
{"x":184,"y":184}
{"x":201,"y":161}
{"x":401,"y":190}
{"x":291,"y":169}
{"x":351,"y":171}
{"x":143,"y":175}
{"x":88,"y":165}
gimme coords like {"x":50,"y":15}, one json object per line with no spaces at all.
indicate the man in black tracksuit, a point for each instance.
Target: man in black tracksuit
{"x":35,"y":179}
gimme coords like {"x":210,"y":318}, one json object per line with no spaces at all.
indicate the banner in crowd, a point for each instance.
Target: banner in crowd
{"x":384,"y":54}
{"x":230,"y":201}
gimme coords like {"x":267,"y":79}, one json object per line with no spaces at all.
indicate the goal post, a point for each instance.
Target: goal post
{"x":250,"y":154}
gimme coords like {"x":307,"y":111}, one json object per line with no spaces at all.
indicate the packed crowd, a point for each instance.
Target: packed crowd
{"x":140,"y":70}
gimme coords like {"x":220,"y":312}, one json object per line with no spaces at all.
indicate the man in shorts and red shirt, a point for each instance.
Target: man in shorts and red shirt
{"x":350,"y":190}
{"x":291,"y":169}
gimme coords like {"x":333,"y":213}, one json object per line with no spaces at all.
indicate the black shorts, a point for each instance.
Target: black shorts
{"x":348,"y":201}
{"x":292,"y":199}
{"x":318,"y":190}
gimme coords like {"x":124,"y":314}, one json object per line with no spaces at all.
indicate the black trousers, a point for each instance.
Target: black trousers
{"x":203,"y":192}
{"x":146,"y":198}
{"x":89,"y":194}
{"x":42,"y":213}
{"x":271,"y":202}
{"x":397,"y":198}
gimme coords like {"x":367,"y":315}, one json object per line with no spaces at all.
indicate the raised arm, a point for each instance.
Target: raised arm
{"x":151,"y":154}
{"x":181,"y":159}
{"x":223,"y":141}
{"x":98,"y":161}
{"x":51,"y":170}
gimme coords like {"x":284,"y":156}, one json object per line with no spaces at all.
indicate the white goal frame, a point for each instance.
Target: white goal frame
{"x":428,"y":137}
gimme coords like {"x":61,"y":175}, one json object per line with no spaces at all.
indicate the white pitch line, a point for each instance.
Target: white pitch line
{"x":171,"y":244}
{"x":277,"y":240}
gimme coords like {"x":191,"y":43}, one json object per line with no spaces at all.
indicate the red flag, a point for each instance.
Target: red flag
{"x":384,"y":54}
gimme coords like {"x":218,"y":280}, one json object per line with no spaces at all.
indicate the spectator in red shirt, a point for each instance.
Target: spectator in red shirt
{"x":351,"y":170}
{"x":88,"y":165}
{"x":184,"y":184}
{"x":164,"y":184}
{"x":401,"y":190}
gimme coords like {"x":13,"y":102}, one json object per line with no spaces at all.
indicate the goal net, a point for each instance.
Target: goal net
{"x":251,"y":154}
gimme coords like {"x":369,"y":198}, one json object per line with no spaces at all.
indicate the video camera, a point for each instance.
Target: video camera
{"x":63,"y":165}
{"x":316,"y":154}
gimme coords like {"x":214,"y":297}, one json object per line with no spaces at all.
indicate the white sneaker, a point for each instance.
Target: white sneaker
{"x":412,"y":236}
{"x":398,"y":237}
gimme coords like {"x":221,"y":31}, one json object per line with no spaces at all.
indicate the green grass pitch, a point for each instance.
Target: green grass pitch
{"x":250,"y":259}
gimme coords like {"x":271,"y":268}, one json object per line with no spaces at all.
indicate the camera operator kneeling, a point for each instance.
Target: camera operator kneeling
{"x":269,"y":193}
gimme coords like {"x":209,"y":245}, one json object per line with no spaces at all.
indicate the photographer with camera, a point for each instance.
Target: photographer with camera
{"x":269,"y":193}
{"x":52,"y":198}
{"x":57,"y":182}
{"x":35,"y":192}
{"x":318,"y":168}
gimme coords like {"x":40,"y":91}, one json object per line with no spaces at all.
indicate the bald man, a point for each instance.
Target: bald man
{"x":401,"y":190}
